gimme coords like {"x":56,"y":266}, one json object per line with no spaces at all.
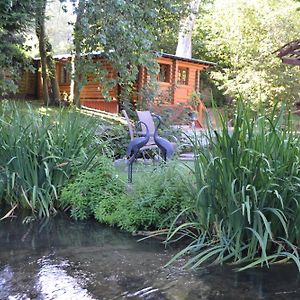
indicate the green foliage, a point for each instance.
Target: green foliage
{"x":125,"y":32}
{"x":15,"y":17}
{"x":241,"y":36}
{"x":90,"y":188}
{"x":211,"y":95}
{"x":247,"y":193}
{"x":59,"y":26}
{"x":39,"y":153}
{"x":116,"y":138}
{"x":155,"y":200}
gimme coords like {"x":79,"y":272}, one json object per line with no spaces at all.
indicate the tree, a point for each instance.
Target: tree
{"x":78,"y":38}
{"x":40,"y":11}
{"x":59,"y":25}
{"x":241,"y":37}
{"x":15,"y":19}
{"x":47,"y":63}
{"x":126,"y":33}
{"x":184,"y":45}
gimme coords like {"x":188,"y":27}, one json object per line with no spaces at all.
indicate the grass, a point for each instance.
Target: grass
{"x":141,"y":168}
{"x":246,"y":190}
{"x":39,"y":152}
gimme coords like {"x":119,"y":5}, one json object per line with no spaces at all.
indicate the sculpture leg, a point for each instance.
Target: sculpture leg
{"x":130,"y":164}
{"x":165,"y":156}
{"x":130,"y":172}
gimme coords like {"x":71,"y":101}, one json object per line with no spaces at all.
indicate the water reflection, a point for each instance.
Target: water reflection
{"x":54,"y":283}
{"x":63,"y":259}
{"x":6,"y":275}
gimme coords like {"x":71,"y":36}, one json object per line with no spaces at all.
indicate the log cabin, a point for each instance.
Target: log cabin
{"x":178,"y":84}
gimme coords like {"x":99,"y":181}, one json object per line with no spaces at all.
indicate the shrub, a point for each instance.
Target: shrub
{"x":247,"y":193}
{"x":40,"y":152}
{"x":116,"y":137}
{"x":155,"y":200}
{"x":90,"y":188}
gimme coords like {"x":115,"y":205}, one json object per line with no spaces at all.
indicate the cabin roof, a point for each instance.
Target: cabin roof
{"x":290,"y":53}
{"x":160,"y":54}
{"x":192,"y":60}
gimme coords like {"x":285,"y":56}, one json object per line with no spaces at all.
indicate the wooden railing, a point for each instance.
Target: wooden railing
{"x":201,"y":110}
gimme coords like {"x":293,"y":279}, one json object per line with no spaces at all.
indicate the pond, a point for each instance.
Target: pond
{"x":64,"y":259}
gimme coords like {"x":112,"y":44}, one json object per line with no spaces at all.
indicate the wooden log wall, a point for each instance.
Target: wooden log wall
{"x":27,"y":85}
{"x":182,"y":96}
{"x":177,"y":94}
{"x":91,"y":94}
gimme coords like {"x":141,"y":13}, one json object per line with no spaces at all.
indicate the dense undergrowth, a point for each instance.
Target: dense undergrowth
{"x":152,"y":203}
{"x":39,"y":153}
{"x":247,"y":193}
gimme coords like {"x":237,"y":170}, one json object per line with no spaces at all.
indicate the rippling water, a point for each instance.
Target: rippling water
{"x":63,"y":259}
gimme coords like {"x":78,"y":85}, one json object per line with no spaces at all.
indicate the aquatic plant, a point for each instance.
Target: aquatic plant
{"x":246,"y":190}
{"x":40,"y":152}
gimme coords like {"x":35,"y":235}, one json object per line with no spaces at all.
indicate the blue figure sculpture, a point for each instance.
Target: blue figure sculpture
{"x":133,"y":148}
{"x":164,"y":145}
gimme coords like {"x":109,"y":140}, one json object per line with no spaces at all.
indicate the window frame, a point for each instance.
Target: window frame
{"x":64,"y":75}
{"x":181,"y":78}
{"x":166,"y":75}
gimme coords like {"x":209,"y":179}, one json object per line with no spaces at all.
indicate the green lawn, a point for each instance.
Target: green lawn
{"x":141,"y":168}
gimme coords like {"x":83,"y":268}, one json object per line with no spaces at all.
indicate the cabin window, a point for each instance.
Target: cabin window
{"x":64,"y":75}
{"x":164,"y":73}
{"x":183,"y":76}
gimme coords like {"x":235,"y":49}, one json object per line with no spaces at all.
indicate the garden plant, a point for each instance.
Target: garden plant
{"x":239,"y":203}
{"x":247,"y":193}
{"x":156,"y":198}
{"x":40,"y":152}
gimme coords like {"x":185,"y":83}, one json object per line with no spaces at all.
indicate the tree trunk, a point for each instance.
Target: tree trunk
{"x":77,"y":75}
{"x":40,"y":32}
{"x":184,"y":45}
{"x":55,"y":99}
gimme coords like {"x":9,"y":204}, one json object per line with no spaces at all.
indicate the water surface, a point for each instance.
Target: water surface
{"x":64,"y":259}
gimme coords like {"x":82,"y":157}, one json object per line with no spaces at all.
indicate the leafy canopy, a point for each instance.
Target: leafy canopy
{"x":242,"y":36}
{"x":127,"y":33}
{"x":15,"y":17}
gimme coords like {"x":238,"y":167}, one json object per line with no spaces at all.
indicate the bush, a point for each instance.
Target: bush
{"x":155,"y":200}
{"x":40,"y":152}
{"x":116,"y":137}
{"x":247,"y":193}
{"x":90,"y":188}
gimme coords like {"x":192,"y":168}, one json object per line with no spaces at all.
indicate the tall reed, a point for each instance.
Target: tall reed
{"x":247,"y":191}
{"x":39,"y":153}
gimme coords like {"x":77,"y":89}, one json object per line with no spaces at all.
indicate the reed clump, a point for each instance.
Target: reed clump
{"x":39,"y":153}
{"x":246,"y":193}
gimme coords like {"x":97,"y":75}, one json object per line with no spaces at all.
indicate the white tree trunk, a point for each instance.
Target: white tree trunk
{"x":184,"y":45}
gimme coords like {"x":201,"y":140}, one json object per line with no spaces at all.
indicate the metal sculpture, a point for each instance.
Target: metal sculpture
{"x":164,"y":145}
{"x":134,"y":147}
